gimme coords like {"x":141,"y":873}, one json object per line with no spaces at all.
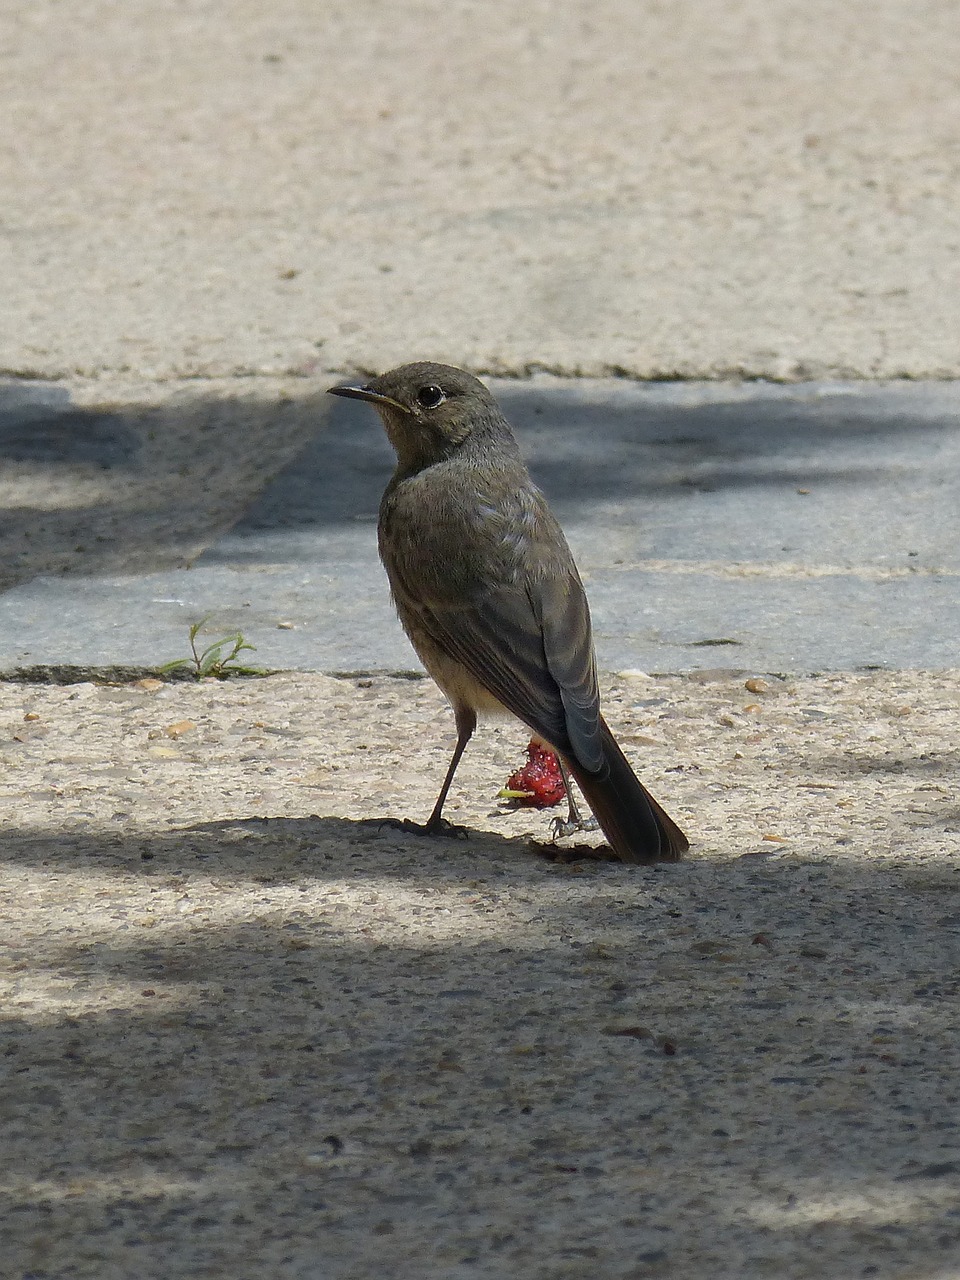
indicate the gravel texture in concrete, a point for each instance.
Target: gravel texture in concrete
{"x":248,"y":1032}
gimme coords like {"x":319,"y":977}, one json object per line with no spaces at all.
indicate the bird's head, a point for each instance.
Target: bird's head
{"x":429,"y":410}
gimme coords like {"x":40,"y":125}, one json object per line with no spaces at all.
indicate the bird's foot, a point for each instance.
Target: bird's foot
{"x":433,"y":827}
{"x":561,"y":827}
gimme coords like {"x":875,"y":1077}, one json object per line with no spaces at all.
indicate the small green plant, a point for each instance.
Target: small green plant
{"x":218,"y":659}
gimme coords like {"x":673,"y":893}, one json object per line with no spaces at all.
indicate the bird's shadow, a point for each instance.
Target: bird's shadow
{"x":285,"y":849}
{"x":371,"y":839}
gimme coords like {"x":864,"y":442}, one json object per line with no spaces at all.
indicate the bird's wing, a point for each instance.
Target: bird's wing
{"x":530,"y":646}
{"x":568,"y":646}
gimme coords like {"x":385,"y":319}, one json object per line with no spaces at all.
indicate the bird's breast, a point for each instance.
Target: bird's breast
{"x":448,"y":543}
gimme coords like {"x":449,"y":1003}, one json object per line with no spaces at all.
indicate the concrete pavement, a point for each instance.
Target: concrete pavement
{"x":707,"y":189}
{"x":244,"y":1040}
{"x":204,"y":209}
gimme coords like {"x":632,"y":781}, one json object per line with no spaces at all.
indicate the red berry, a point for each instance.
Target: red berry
{"x":539,"y":784}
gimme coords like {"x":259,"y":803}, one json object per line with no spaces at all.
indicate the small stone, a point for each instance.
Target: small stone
{"x":756,"y":685}
{"x":31,"y":715}
{"x":179,"y":729}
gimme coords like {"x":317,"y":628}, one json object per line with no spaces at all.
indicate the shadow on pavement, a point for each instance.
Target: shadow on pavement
{"x":716,"y":479}
{"x":139,"y":488}
{"x":135,"y":488}
{"x":617,"y":1072}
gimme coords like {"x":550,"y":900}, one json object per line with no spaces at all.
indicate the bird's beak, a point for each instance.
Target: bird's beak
{"x":364,"y":393}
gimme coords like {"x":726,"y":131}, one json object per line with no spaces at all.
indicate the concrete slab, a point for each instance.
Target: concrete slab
{"x":695,"y":189}
{"x":251,"y":1033}
{"x":754,"y":526}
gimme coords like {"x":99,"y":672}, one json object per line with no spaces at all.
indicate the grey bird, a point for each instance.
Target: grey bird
{"x":488,"y":592}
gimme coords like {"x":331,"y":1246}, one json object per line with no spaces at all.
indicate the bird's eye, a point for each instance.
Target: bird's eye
{"x":430,"y":396}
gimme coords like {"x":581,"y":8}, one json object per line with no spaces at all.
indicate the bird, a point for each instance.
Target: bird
{"x":487,"y":590}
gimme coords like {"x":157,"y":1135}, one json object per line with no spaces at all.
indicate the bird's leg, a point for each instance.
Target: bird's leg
{"x":574,"y":821}
{"x":436,"y":824}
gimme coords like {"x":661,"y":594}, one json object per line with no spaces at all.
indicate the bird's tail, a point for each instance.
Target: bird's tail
{"x":635,"y":825}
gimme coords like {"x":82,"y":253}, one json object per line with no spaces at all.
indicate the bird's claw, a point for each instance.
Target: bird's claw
{"x":439,"y":828}
{"x":452,"y":830}
{"x":561,"y":827}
